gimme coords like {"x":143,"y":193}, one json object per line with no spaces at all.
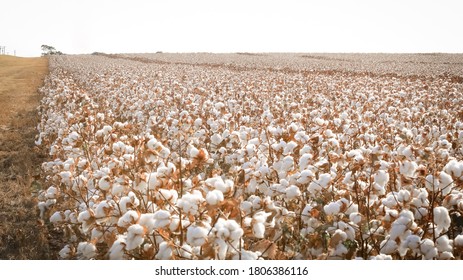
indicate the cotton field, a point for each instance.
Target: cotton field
{"x":168,"y":156}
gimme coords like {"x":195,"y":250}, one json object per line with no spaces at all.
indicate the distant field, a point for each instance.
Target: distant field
{"x":254,"y":156}
{"x":20,"y":235}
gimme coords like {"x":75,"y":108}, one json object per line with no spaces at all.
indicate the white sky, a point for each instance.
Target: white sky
{"x":118,"y":26}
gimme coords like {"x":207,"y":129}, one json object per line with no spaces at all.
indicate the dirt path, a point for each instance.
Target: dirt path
{"x":22,"y":236}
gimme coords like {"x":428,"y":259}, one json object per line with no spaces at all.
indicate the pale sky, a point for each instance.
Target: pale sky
{"x":120,"y":26}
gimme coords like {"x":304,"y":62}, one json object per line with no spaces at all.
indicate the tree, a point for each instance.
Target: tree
{"x":49,"y":50}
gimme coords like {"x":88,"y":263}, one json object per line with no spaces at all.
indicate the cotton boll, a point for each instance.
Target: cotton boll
{"x":66,"y":253}
{"x":431,"y":183}
{"x":135,"y":236}
{"x":305,"y":177}
{"x":444,"y":244}
{"x":388,"y":246}
{"x":258,"y":229}
{"x":196,"y":235}
{"x":86,"y":250}
{"x":292,"y":192}
{"x":104,"y":183}
{"x":454,"y":168}
{"x":332,"y":208}
{"x":355,"y":217}
{"x":57,"y":217}
{"x":129,"y":218}
{"x":246,"y":255}
{"x":52,"y":193}
{"x":458,"y":241}
{"x":148,"y":221}
{"x":304,"y":161}
{"x":165,"y":251}
{"x":162,"y":219}
{"x":408,"y":168}
{"x":381,"y":178}
{"x":381,"y":257}
{"x":441,"y":219}
{"x":428,"y":250}
{"x":214,"y":197}
{"x":445,"y":183}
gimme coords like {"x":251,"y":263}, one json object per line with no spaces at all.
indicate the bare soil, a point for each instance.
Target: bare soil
{"x":22,"y":234}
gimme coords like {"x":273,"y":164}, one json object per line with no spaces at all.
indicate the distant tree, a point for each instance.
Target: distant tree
{"x":49,"y":50}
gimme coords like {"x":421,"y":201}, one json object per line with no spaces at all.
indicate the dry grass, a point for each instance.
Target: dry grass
{"x":21,"y":235}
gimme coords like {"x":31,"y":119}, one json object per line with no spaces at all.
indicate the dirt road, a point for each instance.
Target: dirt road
{"x":22,"y":236}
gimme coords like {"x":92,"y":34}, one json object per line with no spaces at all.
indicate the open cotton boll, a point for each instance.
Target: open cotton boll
{"x":86,"y":250}
{"x":246,"y":255}
{"x":258,"y":229}
{"x":454,"y":168}
{"x":104,"y":183}
{"x":196,"y":235}
{"x":458,"y":240}
{"x":304,"y":161}
{"x":355,"y":217}
{"x":408,"y":168}
{"x":52,"y":192}
{"x":162,"y":219}
{"x":332,"y":208}
{"x":66,"y":253}
{"x":441,"y":219}
{"x":381,"y":257}
{"x":129,"y":218}
{"x":135,"y":236}
{"x":305,"y":177}
{"x":381,"y":178}
{"x":189,"y":202}
{"x":87,"y":218}
{"x":388,"y":246}
{"x":165,"y":251}
{"x":444,"y":244}
{"x":431,"y":183}
{"x":148,"y":221}
{"x":428,"y":250}
{"x":292,"y":192}
{"x":57,"y":217}
{"x":445,"y":183}
{"x":214,"y":197}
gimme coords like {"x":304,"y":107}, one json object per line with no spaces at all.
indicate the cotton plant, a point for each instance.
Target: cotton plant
{"x":186,"y":161}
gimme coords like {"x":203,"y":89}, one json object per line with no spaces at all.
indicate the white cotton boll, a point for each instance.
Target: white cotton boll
{"x":292,"y":192}
{"x":445,"y":183}
{"x":165,"y":251}
{"x":196,"y":235}
{"x":148,"y":221}
{"x":162,"y":219}
{"x":86,"y":250}
{"x":332,"y":208}
{"x":246,"y":207}
{"x":355,"y":217}
{"x":261,"y":217}
{"x":458,"y":241}
{"x":186,"y":251}
{"x":324,"y":180}
{"x":104,"y":183}
{"x":258,"y":229}
{"x":403,"y":196}
{"x":314,"y":188}
{"x":189,"y":202}
{"x":66,"y":252}
{"x":153,"y":144}
{"x":340,"y":250}
{"x":52,"y":193}
{"x":408,"y":168}
{"x":381,"y":178}
{"x":289,"y":148}
{"x":216,"y":139}
{"x":304,"y":161}
{"x":390,"y":201}
{"x":57,"y":217}
{"x":428,"y":250}
{"x":214,"y":197}
{"x":305,"y":177}
{"x":388,"y":246}
{"x":441,"y":219}
{"x":246,"y":255}
{"x":382,"y":257}
{"x":135,"y":236}
{"x":454,"y":168}
{"x":443,"y":244}
{"x":431,"y":183}
{"x":169,"y":195}
{"x":129,"y":218}
{"x":86,"y":218}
